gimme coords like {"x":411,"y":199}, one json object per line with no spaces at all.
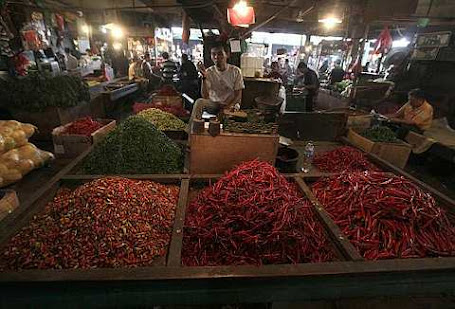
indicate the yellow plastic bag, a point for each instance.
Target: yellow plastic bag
{"x":14,"y":134}
{"x":18,"y":162}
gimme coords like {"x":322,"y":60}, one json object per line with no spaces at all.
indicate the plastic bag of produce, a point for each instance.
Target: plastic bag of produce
{"x":14,"y":134}
{"x":18,"y":162}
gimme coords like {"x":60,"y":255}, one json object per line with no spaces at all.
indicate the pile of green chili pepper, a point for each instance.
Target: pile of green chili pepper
{"x":134,"y":147}
{"x":380,"y":134}
{"x":162,"y":120}
{"x":386,"y":216}
{"x":108,"y":222}
{"x":252,"y":215}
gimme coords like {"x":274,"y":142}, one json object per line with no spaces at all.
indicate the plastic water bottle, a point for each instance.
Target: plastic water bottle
{"x":308,"y":156}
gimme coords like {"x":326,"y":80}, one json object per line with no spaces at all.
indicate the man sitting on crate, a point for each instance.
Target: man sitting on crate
{"x":416,"y":115}
{"x":222,"y":84}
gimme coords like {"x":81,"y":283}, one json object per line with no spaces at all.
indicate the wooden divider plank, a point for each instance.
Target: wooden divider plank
{"x":175,"y":248}
{"x":339,"y":239}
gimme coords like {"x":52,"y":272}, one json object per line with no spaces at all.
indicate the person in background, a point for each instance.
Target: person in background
{"x":146,"y":66}
{"x":307,"y":79}
{"x":287,"y":66}
{"x":286,"y":73}
{"x":337,"y":73}
{"x":222,"y":84}
{"x":148,"y":73}
{"x":275,"y":73}
{"x":188,"y":77}
{"x":416,"y":115}
{"x":169,"y":68}
{"x":324,"y":67}
{"x":71,"y":62}
{"x":135,"y":68}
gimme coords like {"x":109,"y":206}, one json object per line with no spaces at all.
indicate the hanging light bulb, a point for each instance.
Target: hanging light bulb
{"x":241,"y":8}
{"x":241,"y":15}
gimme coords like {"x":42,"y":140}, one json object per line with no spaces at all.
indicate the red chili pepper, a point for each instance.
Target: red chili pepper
{"x":388,"y":211}
{"x":343,"y":159}
{"x":84,"y":126}
{"x":252,"y":215}
{"x":109,"y":222}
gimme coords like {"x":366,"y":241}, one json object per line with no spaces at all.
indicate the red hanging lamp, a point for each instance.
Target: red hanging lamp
{"x":241,"y":15}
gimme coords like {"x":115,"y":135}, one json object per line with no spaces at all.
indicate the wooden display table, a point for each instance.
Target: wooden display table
{"x":216,"y":155}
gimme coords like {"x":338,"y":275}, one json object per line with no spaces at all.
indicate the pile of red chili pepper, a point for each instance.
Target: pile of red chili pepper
{"x":84,"y":126}
{"x":343,"y":159}
{"x":252,"y":215}
{"x":108,"y":222}
{"x":386,"y":216}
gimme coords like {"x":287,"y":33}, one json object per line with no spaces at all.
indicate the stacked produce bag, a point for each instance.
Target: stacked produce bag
{"x":18,"y":156}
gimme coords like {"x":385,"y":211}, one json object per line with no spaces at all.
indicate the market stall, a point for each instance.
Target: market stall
{"x":347,"y":275}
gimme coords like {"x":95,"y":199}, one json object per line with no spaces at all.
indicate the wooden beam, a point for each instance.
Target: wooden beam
{"x":175,"y":248}
{"x":334,"y":232}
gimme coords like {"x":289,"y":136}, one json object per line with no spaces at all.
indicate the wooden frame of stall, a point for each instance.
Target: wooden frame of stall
{"x":352,"y":276}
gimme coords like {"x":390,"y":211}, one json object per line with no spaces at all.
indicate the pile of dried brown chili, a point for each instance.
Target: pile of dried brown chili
{"x":109,"y":222}
{"x":386,"y":216}
{"x":84,"y":126}
{"x":252,"y":215}
{"x":343,"y":159}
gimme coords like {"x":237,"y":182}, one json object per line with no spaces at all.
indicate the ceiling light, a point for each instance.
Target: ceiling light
{"x":330,"y":21}
{"x":241,"y":8}
{"x":403,"y":42}
{"x":117,"y":32}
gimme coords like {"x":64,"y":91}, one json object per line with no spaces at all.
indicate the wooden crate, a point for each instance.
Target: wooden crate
{"x":216,"y":155}
{"x":168,"y":100}
{"x":395,"y":153}
{"x":316,"y":126}
{"x":358,"y":123}
{"x":72,"y":145}
{"x":350,"y":277}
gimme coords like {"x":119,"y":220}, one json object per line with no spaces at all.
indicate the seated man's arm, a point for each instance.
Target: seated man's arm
{"x":397,"y":115}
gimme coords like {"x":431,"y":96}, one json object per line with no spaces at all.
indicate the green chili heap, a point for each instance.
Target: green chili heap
{"x":380,"y":134}
{"x":135,"y":147}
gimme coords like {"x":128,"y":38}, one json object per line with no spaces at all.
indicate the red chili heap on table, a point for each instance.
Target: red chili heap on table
{"x":109,"y":222}
{"x":84,"y":126}
{"x":252,"y":215}
{"x":386,"y":216}
{"x":343,"y":159}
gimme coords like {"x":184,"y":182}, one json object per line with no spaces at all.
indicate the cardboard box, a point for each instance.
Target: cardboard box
{"x":395,"y":153}
{"x":71,"y":145}
{"x":216,"y":155}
